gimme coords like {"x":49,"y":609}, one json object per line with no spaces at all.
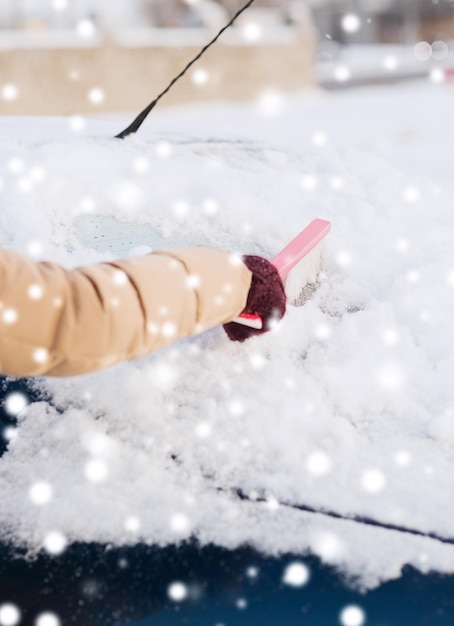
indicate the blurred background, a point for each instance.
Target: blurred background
{"x":68,"y":57}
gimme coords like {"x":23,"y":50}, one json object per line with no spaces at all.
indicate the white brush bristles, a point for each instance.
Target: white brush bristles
{"x":304,"y":273}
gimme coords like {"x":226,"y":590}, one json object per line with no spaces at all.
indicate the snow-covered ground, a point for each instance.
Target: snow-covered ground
{"x":348,"y":406}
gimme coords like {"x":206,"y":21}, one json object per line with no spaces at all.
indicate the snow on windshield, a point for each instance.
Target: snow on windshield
{"x":346,"y":407}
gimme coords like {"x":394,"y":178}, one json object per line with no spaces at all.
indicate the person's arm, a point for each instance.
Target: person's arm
{"x":60,"y":322}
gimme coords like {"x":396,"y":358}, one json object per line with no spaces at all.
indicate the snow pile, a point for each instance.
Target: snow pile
{"x":347,"y":406}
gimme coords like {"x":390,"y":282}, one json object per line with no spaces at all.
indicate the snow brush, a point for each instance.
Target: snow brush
{"x":298,"y":265}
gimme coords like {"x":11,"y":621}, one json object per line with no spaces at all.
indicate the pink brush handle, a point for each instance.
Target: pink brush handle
{"x":298,"y":248}
{"x":288,"y":257}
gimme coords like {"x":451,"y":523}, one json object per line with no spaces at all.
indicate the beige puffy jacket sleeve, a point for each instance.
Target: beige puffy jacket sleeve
{"x":59,"y":322}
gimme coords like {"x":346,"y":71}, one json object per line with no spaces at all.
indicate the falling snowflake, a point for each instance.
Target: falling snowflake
{"x":271,"y":103}
{"x":210,"y":207}
{"x":200,"y":77}
{"x":9,"y":615}
{"x":87,"y":204}
{"x":318,"y":463}
{"x":96,"y":443}
{"x":352,"y":615}
{"x":308,"y":182}
{"x":35,"y":292}
{"x":86,"y":28}
{"x":141,"y":165}
{"x":423,"y":558}
{"x":10,"y":92}
{"x":351,"y":23}
{"x":24,"y":184}
{"x":252,"y":572}
{"x":76,"y":123}
{"x":402,"y":245}
{"x":319,"y":139}
{"x":16,"y":165}
{"x":390,"y":337}
{"x":272,"y":503}
{"x":336,"y":182}
{"x":41,"y":493}
{"x":437,"y":75}
{"x":193,"y":281}
{"x":37,"y":173}
{"x":120,"y":278}
{"x":235,"y":260}
{"x":323,"y":331}
{"x":180,"y":523}
{"x":236,"y":408}
{"x":60,"y":5}
{"x":177,"y":591}
{"x":9,"y":316}
{"x":296,"y":574}
{"x":344,"y":258}
{"x":168,"y":329}
{"x":251,"y":32}
{"x":257,"y":361}
{"x":127,"y":195}
{"x":203,"y":430}
{"x":163,"y":375}
{"x":412,"y":276}
{"x":96,"y":95}
{"x":390,"y":63}
{"x":391,"y":377}
{"x":96,"y":470}
{"x":9,"y":433}
{"x":132,"y":524}
{"x":373,"y":481}
{"x":402,"y":458}
{"x":40,"y":355}
{"x":15,"y":402}
{"x":425,"y":316}
{"x":55,"y":542}
{"x":342,"y":73}
{"x":181,"y":208}
{"x":164,"y":149}
{"x":47,"y":619}
{"x":328,"y":546}
{"x":411,"y":194}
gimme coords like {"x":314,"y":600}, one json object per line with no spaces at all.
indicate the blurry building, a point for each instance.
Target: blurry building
{"x":37,"y":15}
{"x":67,"y":57}
{"x":387,"y":21}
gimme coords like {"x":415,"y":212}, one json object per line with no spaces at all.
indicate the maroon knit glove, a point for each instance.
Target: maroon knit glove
{"x":266,"y":298}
